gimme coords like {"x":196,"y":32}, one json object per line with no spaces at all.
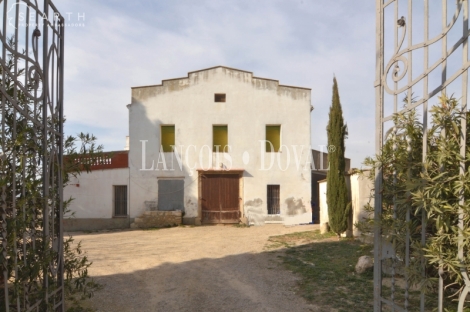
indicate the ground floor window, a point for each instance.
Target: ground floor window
{"x":170,"y":194}
{"x":274,"y":206}
{"x":120,"y":200}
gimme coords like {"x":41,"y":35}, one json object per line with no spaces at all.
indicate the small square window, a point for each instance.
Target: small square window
{"x":219,"y":97}
{"x":168,"y":138}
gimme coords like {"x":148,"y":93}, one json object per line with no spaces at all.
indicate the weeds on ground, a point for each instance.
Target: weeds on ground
{"x":292,"y":239}
{"x":151,"y":229}
{"x":241,"y":225}
{"x":328,"y":277}
{"x":75,"y":305}
{"x":156,"y":228}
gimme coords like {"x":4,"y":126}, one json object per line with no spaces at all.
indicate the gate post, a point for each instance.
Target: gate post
{"x":31,"y":102}
{"x":378,"y":147}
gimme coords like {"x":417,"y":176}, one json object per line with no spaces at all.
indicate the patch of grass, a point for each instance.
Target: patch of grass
{"x":152,"y":229}
{"x":240,"y":225}
{"x":168,"y":226}
{"x":293,"y":239}
{"x":328,"y":276}
{"x":79,"y":308}
{"x":78,"y":302}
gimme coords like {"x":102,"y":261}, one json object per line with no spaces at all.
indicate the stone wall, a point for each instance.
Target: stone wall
{"x":152,"y":219}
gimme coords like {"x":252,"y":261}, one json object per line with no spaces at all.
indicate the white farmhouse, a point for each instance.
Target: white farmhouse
{"x":217,"y":146}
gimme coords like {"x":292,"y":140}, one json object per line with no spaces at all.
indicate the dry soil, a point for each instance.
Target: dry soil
{"x":207,"y":268}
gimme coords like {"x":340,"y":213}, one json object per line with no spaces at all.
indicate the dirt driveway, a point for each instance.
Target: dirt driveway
{"x":209,"y":268}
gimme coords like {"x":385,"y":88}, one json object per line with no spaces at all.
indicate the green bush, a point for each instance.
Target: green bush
{"x":435,"y":190}
{"x":27,"y":255}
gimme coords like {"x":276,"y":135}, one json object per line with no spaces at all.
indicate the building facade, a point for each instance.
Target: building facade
{"x":222,"y":146}
{"x":99,"y":198}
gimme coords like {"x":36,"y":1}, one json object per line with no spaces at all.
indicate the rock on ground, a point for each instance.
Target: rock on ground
{"x":363,"y":264}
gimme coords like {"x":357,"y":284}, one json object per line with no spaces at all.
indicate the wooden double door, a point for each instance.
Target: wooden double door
{"x":220,"y":198}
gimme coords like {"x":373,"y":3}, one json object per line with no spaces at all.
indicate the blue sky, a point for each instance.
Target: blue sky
{"x":302,"y":43}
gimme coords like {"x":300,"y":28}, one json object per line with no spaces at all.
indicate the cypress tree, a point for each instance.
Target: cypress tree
{"x":336,"y":192}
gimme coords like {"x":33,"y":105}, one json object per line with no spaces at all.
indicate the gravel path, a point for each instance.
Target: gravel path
{"x":208,"y":268}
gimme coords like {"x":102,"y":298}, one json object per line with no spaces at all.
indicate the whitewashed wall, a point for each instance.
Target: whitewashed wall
{"x":360,"y":187}
{"x":323,"y":205}
{"x":93,"y":192}
{"x":252,"y":103}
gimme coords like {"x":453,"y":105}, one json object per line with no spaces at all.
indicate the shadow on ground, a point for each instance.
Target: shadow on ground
{"x":244,"y":282}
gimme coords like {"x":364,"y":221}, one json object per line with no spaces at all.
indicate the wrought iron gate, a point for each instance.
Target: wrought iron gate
{"x":422,"y":51}
{"x":31,"y":147}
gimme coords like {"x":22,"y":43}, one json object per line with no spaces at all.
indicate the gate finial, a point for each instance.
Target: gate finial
{"x":401,"y":21}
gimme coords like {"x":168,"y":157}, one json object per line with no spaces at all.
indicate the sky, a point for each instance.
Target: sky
{"x":115,"y":45}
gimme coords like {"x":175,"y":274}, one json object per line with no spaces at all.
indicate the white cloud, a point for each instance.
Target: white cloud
{"x":125,"y":44}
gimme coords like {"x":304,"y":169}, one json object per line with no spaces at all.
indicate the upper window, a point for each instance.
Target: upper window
{"x":273,"y":136}
{"x":219,"y":97}
{"x":219,"y":138}
{"x":168,"y":138}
